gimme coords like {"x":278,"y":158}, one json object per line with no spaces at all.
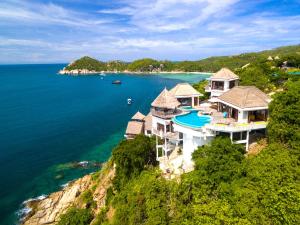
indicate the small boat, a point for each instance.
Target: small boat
{"x":129,"y":101}
{"x":102,"y":73}
{"x":116,"y":82}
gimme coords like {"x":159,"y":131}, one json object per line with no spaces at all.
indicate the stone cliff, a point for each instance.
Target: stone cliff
{"x":49,"y":210}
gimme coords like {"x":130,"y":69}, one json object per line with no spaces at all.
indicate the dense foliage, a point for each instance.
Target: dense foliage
{"x":131,"y":157}
{"x":225,"y":188}
{"x":144,"y":65}
{"x":200,"y":87}
{"x":76,"y":216}
{"x":87,"y":63}
{"x":284,"y":124}
{"x":291,"y":54}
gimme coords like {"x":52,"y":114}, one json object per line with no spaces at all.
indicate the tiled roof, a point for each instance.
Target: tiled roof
{"x":225,"y":74}
{"x":165,"y":100}
{"x":184,"y":89}
{"x":138,"y":116}
{"x":134,"y":127}
{"x":245,"y":97}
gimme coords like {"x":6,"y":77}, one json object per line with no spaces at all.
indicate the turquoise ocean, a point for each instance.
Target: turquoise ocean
{"x":50,"y":122}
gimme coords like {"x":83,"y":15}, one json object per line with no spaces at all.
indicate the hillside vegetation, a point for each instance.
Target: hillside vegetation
{"x":291,"y":54}
{"x":226,"y":187}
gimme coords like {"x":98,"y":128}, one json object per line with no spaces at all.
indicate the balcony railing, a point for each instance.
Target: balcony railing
{"x":169,"y":135}
{"x":165,"y":114}
{"x":236,"y":127}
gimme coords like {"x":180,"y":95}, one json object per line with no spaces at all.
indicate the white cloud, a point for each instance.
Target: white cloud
{"x":36,"y":13}
{"x":163,"y":29}
{"x":171,"y":15}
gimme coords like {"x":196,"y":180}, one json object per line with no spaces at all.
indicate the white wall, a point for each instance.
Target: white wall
{"x":243,"y":116}
{"x":226,"y":85}
{"x":191,"y":143}
{"x":156,"y":120}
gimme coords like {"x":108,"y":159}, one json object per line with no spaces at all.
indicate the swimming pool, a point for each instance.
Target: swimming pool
{"x":187,"y":108}
{"x":192,"y":120}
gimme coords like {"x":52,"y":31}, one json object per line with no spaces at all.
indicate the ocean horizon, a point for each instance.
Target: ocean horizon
{"x":50,"y":123}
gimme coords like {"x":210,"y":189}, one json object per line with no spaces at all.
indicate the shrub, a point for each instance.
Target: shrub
{"x":75,"y":216}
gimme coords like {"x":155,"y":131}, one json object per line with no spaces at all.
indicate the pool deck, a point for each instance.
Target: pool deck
{"x":218,"y":122}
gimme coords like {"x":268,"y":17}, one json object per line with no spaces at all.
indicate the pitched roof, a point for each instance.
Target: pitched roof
{"x":138,"y":116}
{"x":225,"y":74}
{"x":245,"y":97}
{"x":134,"y":127}
{"x":148,"y":122}
{"x":165,"y":100}
{"x":184,"y":89}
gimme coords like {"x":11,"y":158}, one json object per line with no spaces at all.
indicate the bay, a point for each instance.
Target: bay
{"x":49,"y":121}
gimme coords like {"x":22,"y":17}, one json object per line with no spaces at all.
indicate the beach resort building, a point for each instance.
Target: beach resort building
{"x":221,"y":82}
{"x":181,"y":123}
{"x":135,"y":126}
{"x":139,"y":124}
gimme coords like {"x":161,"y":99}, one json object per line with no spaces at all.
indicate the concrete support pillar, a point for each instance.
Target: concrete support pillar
{"x":156,"y":141}
{"x":165,"y":151}
{"x":247,"y":141}
{"x":231,"y":136}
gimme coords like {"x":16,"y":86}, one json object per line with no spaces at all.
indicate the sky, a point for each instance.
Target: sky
{"x":59,"y":31}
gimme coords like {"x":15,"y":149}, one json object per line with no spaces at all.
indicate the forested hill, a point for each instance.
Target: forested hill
{"x":275,"y":56}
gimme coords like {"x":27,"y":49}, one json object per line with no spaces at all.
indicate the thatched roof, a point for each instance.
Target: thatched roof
{"x":245,"y":97}
{"x":224,"y":74}
{"x":165,"y":100}
{"x":134,"y":127}
{"x":138,"y":116}
{"x":148,"y":122}
{"x":184,"y":89}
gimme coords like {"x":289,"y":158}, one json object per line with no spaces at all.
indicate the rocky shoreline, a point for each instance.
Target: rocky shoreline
{"x":93,"y":72}
{"x":47,"y":210}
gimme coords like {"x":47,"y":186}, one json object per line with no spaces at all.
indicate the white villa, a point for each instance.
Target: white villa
{"x":221,"y":82}
{"x":181,"y":123}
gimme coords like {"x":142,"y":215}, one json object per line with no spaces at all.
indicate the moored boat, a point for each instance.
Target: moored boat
{"x":116,"y":82}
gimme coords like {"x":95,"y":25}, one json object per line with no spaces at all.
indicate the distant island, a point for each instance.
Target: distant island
{"x":287,"y":56}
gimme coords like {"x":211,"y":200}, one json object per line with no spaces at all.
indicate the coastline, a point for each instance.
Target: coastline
{"x":92,"y":72}
{"x":48,"y":209}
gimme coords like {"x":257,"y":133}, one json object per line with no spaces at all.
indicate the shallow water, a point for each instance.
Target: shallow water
{"x":50,"y":121}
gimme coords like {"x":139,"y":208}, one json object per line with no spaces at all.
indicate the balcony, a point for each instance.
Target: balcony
{"x":237,"y":127}
{"x":169,"y":135}
{"x":165,"y":114}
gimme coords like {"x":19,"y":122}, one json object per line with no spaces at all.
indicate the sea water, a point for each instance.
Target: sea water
{"x":49,"y":122}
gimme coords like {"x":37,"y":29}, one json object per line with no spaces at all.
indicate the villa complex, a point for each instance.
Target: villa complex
{"x":181,"y":123}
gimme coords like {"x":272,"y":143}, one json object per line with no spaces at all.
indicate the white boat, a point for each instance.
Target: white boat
{"x":129,"y":101}
{"x":102,"y":73}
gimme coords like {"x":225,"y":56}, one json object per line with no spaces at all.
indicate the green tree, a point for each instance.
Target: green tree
{"x":76,"y":216}
{"x":201,"y":88}
{"x":220,"y":161}
{"x":131,"y":157}
{"x":255,"y":75}
{"x":88,"y":63}
{"x":284,"y":123}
